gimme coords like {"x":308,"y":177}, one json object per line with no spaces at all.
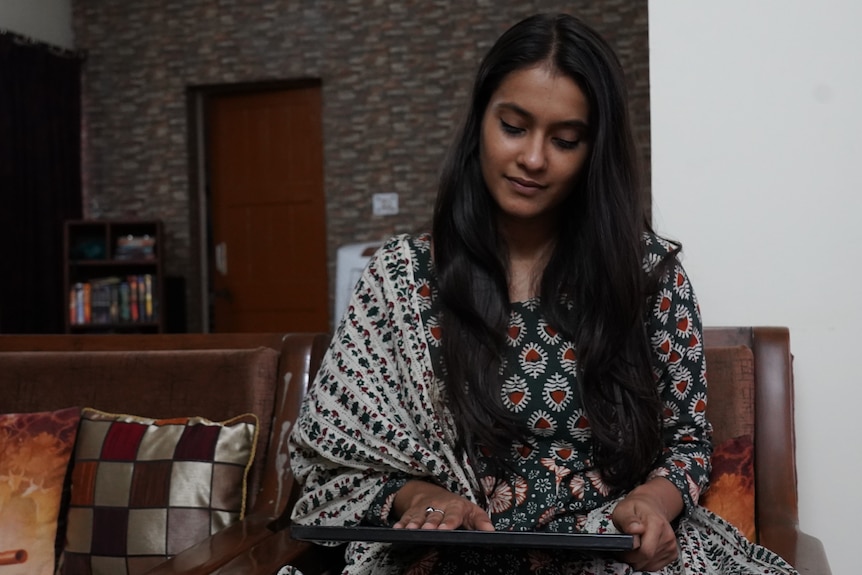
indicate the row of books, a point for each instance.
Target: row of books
{"x":114,"y":300}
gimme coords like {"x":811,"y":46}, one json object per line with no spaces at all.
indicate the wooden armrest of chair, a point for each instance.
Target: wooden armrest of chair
{"x":273,"y":553}
{"x":810,"y":556}
{"x":211,"y":553}
{"x":803,"y":551}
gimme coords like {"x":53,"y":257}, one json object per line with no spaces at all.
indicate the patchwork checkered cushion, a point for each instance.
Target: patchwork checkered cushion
{"x":144,"y":489}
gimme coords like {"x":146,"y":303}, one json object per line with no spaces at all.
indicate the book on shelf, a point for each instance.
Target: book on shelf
{"x":148,"y":297}
{"x":133,"y":298}
{"x":76,"y":304}
{"x":125,"y":298}
{"x":87,"y":301}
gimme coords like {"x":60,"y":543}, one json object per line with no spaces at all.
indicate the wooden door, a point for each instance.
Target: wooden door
{"x":267,"y":208}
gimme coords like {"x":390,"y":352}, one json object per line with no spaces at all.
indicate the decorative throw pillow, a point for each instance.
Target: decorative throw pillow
{"x":35,"y":448}
{"x":145,"y":489}
{"x":731,"y":490}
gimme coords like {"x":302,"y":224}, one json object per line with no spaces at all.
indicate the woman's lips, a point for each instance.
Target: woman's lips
{"x":526,"y":185}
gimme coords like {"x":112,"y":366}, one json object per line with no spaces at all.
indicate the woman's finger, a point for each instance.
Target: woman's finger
{"x":434,"y":516}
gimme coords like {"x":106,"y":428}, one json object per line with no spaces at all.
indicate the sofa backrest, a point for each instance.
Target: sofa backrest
{"x":216,"y":376}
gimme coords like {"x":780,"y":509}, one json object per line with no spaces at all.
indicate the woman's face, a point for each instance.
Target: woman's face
{"x":533,"y":143}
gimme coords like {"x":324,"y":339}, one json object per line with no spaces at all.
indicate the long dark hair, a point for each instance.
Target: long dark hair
{"x":593,"y":289}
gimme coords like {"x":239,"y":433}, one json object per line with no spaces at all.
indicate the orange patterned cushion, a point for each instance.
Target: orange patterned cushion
{"x":731,"y":491}
{"x":35,"y":448}
{"x":144,"y":489}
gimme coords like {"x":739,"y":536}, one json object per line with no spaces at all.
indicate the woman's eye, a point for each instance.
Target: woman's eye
{"x":567,"y":144}
{"x":510,"y":129}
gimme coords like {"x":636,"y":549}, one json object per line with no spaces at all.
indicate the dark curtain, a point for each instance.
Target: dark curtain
{"x":40,"y":180}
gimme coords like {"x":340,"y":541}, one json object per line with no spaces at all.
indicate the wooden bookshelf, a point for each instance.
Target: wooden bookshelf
{"x":113,"y":276}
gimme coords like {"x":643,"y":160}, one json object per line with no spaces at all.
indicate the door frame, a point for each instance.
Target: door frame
{"x":197,"y":100}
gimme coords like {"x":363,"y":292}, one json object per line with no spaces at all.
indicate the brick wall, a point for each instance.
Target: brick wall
{"x":395,"y":77}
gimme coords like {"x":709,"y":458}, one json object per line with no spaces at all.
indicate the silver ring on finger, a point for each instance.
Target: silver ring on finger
{"x":430,"y":510}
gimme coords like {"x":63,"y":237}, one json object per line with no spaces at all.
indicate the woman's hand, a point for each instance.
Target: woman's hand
{"x":647,"y":512}
{"x":423,"y":505}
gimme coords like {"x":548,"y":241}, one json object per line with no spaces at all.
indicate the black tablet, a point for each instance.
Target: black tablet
{"x":532,"y":539}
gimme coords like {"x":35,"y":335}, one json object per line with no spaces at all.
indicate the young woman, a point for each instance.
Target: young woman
{"x":533,"y":364}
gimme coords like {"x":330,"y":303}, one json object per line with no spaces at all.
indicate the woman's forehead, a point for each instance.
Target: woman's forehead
{"x":542,"y":92}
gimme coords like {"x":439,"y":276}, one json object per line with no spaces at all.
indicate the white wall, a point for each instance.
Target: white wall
{"x":757,"y":169}
{"x":49,"y":21}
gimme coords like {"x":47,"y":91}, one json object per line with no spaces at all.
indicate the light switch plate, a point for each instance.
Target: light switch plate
{"x":384,"y":204}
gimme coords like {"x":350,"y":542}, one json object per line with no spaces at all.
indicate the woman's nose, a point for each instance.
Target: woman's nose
{"x":533,"y":155}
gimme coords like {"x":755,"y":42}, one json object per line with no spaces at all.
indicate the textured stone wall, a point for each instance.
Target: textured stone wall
{"x":395,"y":77}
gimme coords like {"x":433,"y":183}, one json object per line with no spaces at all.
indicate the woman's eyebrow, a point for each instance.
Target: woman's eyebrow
{"x":513,"y":107}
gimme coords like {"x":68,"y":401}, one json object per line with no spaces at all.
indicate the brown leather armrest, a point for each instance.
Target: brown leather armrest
{"x":268,"y":556}
{"x":801,"y":550}
{"x":211,"y":553}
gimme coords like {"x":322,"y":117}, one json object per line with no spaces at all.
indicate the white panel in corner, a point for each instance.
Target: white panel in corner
{"x":349,"y":265}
